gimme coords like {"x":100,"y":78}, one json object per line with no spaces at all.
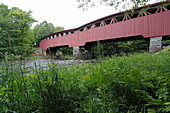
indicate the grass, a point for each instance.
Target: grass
{"x":33,"y":57}
{"x":138,"y":83}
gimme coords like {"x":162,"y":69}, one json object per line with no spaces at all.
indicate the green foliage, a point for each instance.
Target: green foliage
{"x":15,"y":30}
{"x":44,"y":29}
{"x":67,"y":50}
{"x":119,"y":48}
{"x":139,"y":83}
{"x":144,"y":10}
{"x":166,"y":42}
{"x":57,"y":29}
{"x":117,"y":4}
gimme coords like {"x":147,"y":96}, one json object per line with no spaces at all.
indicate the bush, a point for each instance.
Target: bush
{"x":119,"y":48}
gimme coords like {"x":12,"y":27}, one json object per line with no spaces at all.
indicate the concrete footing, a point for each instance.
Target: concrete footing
{"x":155,"y":44}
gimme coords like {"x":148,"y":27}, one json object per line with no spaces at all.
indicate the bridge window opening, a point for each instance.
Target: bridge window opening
{"x":152,"y":11}
{"x":134,"y":15}
{"x":103,"y":23}
{"x":88,"y":27}
{"x":126,"y":17}
{"x":113,"y":20}
{"x":143,"y":14}
{"x":119,"y":19}
{"x":81,"y":29}
{"x":168,"y":7}
{"x":97,"y":25}
{"x":93,"y":26}
{"x":161,"y":9}
{"x":62,"y":34}
{"x":108,"y":21}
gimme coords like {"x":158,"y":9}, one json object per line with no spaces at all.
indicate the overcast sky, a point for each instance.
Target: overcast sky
{"x":64,"y":13}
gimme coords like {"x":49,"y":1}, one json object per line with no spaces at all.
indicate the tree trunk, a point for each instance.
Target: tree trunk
{"x":9,"y":41}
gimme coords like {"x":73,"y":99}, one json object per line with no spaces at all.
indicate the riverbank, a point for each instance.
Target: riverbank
{"x":135,"y":83}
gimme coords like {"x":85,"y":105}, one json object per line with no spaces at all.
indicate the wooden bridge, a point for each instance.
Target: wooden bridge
{"x":147,"y":22}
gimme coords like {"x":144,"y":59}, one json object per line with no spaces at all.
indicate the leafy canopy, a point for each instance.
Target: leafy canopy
{"x":117,"y":4}
{"x":44,"y":29}
{"x":15,"y":30}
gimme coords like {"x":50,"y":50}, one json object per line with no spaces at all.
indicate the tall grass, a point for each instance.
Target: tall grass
{"x":133,"y":84}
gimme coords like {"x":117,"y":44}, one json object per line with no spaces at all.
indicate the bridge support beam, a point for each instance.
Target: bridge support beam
{"x":82,"y":52}
{"x":155,"y":44}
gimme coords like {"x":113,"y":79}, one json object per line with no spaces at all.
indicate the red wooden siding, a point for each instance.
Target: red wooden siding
{"x":157,"y":24}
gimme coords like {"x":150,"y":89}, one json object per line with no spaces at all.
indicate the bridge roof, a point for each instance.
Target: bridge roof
{"x":108,"y":17}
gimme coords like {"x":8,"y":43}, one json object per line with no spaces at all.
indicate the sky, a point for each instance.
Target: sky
{"x":64,"y":13}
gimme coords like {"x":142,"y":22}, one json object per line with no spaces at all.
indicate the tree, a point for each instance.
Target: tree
{"x":57,"y":29}
{"x":44,"y":29}
{"x":4,"y":24}
{"x":21,"y":22}
{"x":117,"y":4}
{"x":15,"y":30}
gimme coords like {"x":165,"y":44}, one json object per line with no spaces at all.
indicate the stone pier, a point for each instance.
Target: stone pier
{"x":155,"y":44}
{"x":82,"y":52}
{"x":44,"y":53}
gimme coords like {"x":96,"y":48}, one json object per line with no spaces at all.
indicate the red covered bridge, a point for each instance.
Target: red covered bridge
{"x":149,"y":22}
